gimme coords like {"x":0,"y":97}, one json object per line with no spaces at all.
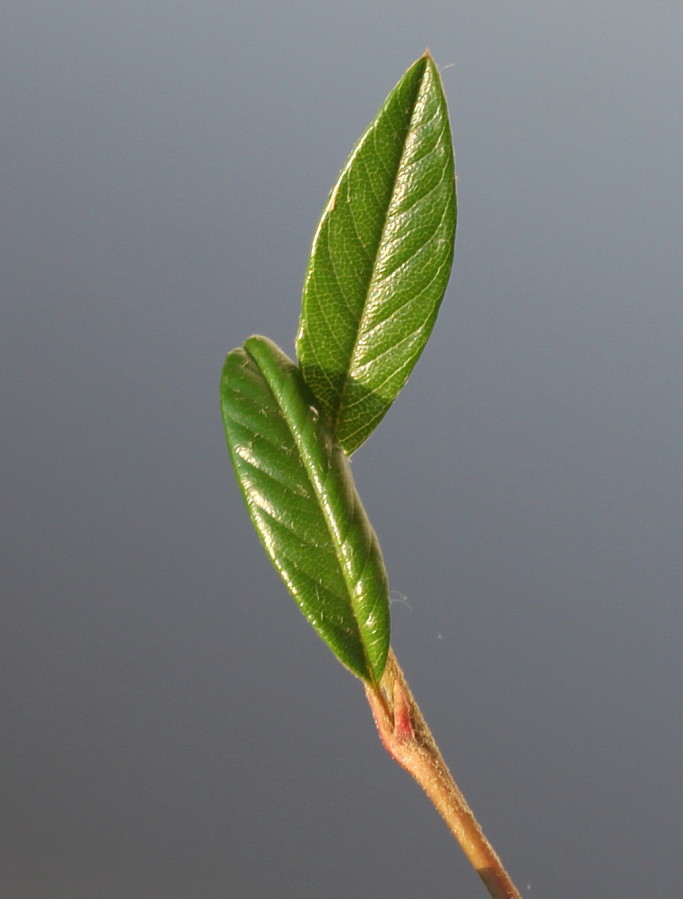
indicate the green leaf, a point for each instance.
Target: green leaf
{"x":381,"y":259}
{"x":297,"y":484}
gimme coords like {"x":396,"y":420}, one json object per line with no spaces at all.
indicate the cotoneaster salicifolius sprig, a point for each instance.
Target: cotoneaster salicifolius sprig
{"x":377,"y":272}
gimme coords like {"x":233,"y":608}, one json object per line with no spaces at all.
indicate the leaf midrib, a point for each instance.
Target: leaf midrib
{"x":320,"y":493}
{"x":343,"y":390}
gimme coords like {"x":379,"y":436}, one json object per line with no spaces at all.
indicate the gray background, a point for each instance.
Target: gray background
{"x":171,"y":727}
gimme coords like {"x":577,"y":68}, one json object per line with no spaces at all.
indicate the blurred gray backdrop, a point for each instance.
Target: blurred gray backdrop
{"x":171,"y":727}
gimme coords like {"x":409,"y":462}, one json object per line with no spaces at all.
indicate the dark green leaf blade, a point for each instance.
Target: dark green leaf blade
{"x":297,"y":485}
{"x":381,"y":259}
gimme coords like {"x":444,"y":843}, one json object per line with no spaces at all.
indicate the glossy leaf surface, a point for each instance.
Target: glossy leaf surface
{"x":381,"y":259}
{"x":300,"y":494}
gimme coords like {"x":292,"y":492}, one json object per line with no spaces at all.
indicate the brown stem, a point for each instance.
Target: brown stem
{"x":408,"y":740}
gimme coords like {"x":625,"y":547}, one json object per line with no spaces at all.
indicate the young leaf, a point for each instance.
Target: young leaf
{"x":381,"y":259}
{"x":302,"y":500}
